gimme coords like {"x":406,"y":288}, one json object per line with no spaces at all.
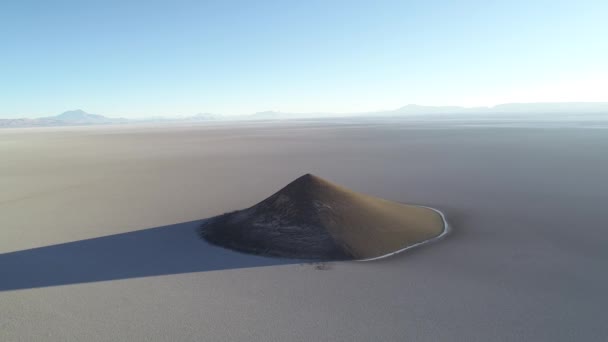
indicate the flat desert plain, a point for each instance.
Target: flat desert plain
{"x":98,"y":236}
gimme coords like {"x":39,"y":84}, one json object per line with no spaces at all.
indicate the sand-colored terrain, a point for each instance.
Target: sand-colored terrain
{"x":98,"y":233}
{"x":312,"y":218}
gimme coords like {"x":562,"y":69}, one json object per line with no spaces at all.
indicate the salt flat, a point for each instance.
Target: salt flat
{"x":98,"y":242}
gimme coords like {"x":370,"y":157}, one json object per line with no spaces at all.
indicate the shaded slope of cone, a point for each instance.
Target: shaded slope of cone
{"x":312,"y":218}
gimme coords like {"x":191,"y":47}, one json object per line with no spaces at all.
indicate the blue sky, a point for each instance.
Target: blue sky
{"x":138,"y":58}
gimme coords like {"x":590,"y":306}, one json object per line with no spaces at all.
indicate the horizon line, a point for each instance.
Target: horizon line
{"x":411,"y":105}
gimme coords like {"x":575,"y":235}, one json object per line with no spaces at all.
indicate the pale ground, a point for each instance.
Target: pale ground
{"x":526,"y":261}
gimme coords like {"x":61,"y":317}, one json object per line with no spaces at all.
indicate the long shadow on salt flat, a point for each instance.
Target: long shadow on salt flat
{"x":158,"y":251}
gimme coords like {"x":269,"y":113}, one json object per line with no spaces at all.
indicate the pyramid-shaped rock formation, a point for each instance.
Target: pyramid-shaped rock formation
{"x":312,"y":218}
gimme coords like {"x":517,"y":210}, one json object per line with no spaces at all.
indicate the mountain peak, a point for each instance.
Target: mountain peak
{"x":308,"y":188}
{"x":74,"y":112}
{"x":77,"y":114}
{"x":307,"y":179}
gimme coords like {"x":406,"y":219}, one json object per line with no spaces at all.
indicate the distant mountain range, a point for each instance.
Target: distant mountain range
{"x":69,"y":118}
{"x":80,"y":117}
{"x":510,"y":108}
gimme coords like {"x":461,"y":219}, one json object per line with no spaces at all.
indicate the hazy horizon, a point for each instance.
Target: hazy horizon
{"x":415,"y":109}
{"x":160,"y":58}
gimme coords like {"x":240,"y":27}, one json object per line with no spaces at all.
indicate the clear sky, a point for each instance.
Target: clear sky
{"x":146,"y":57}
